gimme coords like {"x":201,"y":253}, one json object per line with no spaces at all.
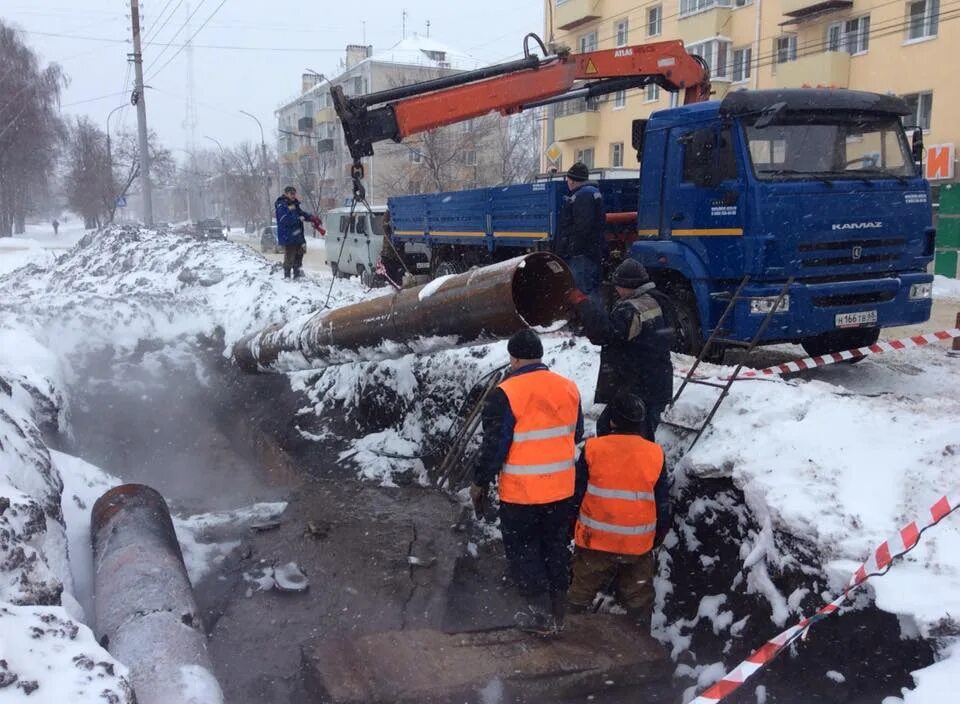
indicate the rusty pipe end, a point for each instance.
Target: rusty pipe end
{"x":540,"y":285}
{"x":138,"y":503}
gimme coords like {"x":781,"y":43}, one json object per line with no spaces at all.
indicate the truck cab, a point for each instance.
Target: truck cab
{"x":817,"y":186}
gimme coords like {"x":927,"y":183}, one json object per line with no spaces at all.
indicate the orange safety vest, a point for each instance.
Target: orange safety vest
{"x":619,"y":512}
{"x":539,"y":467}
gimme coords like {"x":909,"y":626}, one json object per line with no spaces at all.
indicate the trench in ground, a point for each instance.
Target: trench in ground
{"x":208,"y":437}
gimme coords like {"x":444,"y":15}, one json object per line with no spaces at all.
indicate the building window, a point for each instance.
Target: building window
{"x":715,"y":52}
{"x":616,"y":155}
{"x":651,"y":93}
{"x":690,"y":7}
{"x":674,"y":99}
{"x":469,"y":157}
{"x":620,"y":100}
{"x":923,"y":18}
{"x":852,"y":36}
{"x":307,"y":108}
{"x":585,"y":156}
{"x":921,"y":110}
{"x":741,"y":64}
{"x":415,"y":156}
{"x":623,"y":30}
{"x":655,"y":21}
{"x":786,"y":48}
{"x":588,"y":43}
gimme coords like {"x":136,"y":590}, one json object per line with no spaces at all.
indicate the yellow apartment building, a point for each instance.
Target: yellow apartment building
{"x":887,"y":46}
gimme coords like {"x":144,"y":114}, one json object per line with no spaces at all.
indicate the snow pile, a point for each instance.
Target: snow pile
{"x":944,"y":287}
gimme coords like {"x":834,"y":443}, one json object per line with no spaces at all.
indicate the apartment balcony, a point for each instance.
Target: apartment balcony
{"x":705,"y":24}
{"x":576,"y":126}
{"x":289,"y":157}
{"x":325,"y":115}
{"x":828,"y":69}
{"x":573,"y":13}
{"x":801,"y":9}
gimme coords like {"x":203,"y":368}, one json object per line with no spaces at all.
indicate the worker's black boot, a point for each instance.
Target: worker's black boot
{"x":537,"y":617}
{"x":286,"y":273}
{"x":558,"y":609}
{"x":297,"y":273}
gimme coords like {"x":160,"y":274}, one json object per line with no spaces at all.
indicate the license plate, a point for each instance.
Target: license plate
{"x":856,"y":320}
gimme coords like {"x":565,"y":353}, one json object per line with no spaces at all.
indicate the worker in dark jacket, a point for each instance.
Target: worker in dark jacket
{"x":580,"y":240}
{"x":623,"y":513}
{"x":635,"y":342}
{"x":290,"y":220}
{"x":531,"y":424}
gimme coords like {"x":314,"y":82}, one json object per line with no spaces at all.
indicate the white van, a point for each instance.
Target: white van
{"x":353,"y":248}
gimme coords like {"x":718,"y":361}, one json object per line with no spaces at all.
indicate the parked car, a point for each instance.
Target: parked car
{"x":268,"y":239}
{"x":210,"y":229}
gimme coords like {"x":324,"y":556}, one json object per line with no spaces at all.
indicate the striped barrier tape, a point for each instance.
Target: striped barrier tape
{"x":877,"y":564}
{"x":835,"y":357}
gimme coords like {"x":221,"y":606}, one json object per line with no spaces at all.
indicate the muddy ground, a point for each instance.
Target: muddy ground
{"x":208,"y":437}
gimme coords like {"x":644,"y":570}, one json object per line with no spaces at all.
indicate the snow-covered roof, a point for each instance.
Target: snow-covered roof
{"x":424,"y":51}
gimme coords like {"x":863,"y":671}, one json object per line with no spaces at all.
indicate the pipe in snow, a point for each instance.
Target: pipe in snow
{"x":492,"y":301}
{"x":146,"y":615}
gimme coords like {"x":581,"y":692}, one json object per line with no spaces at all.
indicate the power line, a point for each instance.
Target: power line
{"x":179,"y":29}
{"x":154,"y":33}
{"x":154,"y":74}
{"x":225,"y":47}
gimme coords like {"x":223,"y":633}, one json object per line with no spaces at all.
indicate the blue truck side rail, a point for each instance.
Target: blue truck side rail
{"x":511,"y":218}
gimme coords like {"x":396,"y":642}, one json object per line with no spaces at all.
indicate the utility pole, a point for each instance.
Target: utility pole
{"x":140,"y":102}
{"x":403,"y":31}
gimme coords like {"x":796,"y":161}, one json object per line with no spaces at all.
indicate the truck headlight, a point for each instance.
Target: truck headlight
{"x":921,"y":291}
{"x":764,"y":304}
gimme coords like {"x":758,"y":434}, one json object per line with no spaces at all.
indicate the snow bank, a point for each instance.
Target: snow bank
{"x":944,"y":287}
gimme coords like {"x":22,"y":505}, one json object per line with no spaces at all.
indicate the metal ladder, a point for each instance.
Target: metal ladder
{"x":453,"y":470}
{"x":717,"y":337}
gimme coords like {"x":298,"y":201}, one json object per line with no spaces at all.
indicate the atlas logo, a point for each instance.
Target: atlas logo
{"x":622,"y":52}
{"x":858,"y":225}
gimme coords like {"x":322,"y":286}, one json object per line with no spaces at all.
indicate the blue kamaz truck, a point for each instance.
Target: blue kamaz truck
{"x":814,"y":193}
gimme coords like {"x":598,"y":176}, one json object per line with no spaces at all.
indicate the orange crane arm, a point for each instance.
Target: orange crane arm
{"x":512,"y":87}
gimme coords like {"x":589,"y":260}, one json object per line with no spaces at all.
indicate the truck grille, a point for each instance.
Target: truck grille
{"x":841,"y":253}
{"x":850,"y":299}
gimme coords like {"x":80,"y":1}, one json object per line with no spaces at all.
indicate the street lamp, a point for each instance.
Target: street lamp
{"x":263,"y":158}
{"x":223,"y":179}
{"x":109,"y":152}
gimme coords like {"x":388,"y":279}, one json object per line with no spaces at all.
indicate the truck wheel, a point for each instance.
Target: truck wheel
{"x":447,"y":268}
{"x":840,"y":340}
{"x":680,"y":310}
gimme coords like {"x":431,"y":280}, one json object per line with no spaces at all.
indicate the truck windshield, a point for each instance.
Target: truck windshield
{"x":830,"y":146}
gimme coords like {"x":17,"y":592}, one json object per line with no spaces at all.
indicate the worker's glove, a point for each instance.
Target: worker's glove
{"x":317,"y":225}
{"x":575,"y":296}
{"x":478,"y":495}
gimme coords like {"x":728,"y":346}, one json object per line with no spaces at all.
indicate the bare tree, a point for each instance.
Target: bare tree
{"x":126,"y":165}
{"x":516,"y":150}
{"x":245,"y":191}
{"x":89,"y":182}
{"x":30,"y":128}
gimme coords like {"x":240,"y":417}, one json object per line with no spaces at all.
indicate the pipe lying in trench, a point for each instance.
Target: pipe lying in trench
{"x":489,"y":302}
{"x":146,"y":615}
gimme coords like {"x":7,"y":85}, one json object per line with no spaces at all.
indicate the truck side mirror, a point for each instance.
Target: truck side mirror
{"x":916,"y":146}
{"x":638,"y":132}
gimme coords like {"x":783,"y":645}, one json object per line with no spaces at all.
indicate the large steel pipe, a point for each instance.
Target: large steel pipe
{"x":146,"y":615}
{"x":493,"y":301}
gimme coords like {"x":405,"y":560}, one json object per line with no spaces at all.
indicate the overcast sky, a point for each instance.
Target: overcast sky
{"x":279,"y":40}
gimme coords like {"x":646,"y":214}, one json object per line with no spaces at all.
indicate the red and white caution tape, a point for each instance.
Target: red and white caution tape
{"x":835,"y":357}
{"x":879,"y":561}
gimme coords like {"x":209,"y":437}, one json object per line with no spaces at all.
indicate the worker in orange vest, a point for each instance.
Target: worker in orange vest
{"x":532,"y":422}
{"x":624,"y":513}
